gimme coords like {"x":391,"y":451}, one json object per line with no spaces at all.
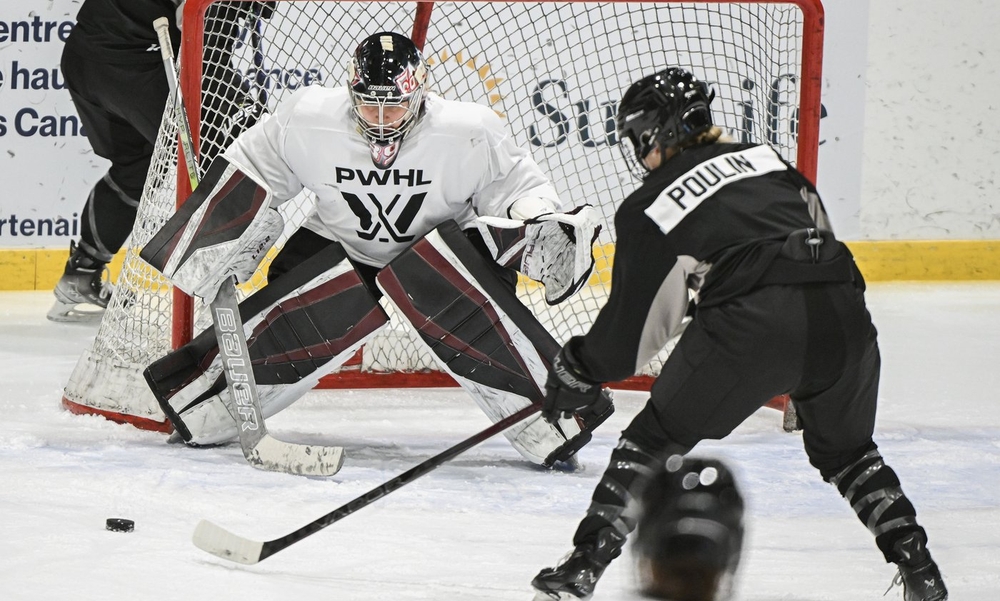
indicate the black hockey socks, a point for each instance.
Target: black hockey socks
{"x":875,"y":494}
{"x":599,"y":539}
{"x":107,"y":219}
{"x":615,"y":499}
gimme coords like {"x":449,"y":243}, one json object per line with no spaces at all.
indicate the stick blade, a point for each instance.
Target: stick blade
{"x":222,"y":543}
{"x":275,"y":455}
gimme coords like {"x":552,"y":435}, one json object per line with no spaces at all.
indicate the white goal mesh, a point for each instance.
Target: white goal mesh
{"x":553,"y":70}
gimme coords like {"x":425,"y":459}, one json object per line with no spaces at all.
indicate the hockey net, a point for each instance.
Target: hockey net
{"x":553,"y":70}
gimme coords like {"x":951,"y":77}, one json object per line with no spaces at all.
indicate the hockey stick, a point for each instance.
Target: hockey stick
{"x":220,"y":542}
{"x":260,"y":449}
{"x":162,"y":27}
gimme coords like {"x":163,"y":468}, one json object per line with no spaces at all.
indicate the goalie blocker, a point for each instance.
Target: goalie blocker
{"x":225,"y":228}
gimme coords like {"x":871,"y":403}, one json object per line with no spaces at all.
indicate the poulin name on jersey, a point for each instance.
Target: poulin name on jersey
{"x":691,"y":189}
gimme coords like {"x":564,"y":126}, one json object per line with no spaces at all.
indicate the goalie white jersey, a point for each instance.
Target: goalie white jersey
{"x":459,"y":162}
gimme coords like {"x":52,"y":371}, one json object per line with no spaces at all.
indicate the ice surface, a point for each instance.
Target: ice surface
{"x":483,"y":525}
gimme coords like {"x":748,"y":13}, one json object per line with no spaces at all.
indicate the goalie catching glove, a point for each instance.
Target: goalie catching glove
{"x":555,"y":249}
{"x":225,"y":228}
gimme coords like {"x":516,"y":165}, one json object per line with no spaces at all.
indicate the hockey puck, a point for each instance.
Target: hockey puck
{"x":120,"y":525}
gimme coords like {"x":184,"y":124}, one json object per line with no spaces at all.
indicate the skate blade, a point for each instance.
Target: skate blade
{"x":62,"y":312}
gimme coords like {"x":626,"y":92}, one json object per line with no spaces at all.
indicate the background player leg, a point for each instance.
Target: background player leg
{"x":120,"y":108}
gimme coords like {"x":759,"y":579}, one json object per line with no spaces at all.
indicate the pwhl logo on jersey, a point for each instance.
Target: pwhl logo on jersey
{"x":385,"y":219}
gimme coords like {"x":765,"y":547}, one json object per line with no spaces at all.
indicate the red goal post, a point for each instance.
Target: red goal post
{"x":553,"y":70}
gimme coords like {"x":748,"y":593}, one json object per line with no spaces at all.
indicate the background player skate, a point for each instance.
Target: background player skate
{"x":780,"y":309}
{"x":114,"y":74}
{"x":401,"y":176}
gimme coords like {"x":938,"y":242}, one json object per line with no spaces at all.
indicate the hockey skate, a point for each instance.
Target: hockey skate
{"x":576,"y":576}
{"x":83,"y":291}
{"x":919,"y":575}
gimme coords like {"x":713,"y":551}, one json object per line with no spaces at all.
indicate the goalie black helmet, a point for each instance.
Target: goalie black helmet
{"x":689,"y":536}
{"x":387,"y":78}
{"x":666,"y":108}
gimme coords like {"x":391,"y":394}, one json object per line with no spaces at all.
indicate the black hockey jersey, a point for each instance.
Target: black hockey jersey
{"x":121,"y":31}
{"x":704,"y":226}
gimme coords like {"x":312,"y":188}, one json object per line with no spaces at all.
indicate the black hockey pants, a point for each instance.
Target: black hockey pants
{"x":815,"y":342}
{"x":120,"y":108}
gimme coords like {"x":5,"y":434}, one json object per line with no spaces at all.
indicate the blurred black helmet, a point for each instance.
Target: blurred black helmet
{"x":388,"y":75}
{"x":666,"y":108}
{"x":689,"y":536}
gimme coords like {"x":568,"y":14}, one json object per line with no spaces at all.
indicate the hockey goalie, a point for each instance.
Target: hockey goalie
{"x":423,"y":201}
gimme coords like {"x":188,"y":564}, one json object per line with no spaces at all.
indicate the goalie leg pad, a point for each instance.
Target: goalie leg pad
{"x":299,"y":329}
{"x":481,"y":334}
{"x":225,"y":228}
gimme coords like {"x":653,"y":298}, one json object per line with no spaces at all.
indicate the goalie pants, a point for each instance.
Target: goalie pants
{"x":120,"y":107}
{"x":815,"y":342}
{"x":305,"y":243}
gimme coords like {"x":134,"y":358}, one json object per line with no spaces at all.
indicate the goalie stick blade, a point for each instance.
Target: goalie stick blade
{"x":222,"y":543}
{"x":275,"y":455}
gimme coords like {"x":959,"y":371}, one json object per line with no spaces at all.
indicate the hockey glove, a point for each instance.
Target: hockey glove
{"x":225,"y":228}
{"x":555,"y":249}
{"x":568,"y":392}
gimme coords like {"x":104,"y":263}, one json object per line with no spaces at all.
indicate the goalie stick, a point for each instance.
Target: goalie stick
{"x":220,"y":542}
{"x":260,"y":449}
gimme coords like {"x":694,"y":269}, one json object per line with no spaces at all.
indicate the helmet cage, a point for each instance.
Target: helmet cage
{"x":383,"y":131}
{"x":667,"y":109}
{"x":386,"y":72}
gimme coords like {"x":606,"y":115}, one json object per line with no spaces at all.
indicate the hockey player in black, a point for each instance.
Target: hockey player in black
{"x":779,"y":309}
{"x":114,"y":74}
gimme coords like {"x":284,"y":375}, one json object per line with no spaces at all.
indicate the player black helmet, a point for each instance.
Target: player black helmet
{"x":689,"y":536}
{"x":387,"y":78}
{"x":666,"y":108}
